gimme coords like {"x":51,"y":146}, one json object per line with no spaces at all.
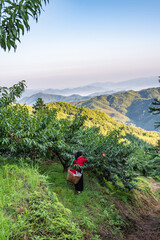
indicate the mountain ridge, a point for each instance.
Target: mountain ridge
{"x":130,"y":107}
{"x":100,"y":88}
{"x":47,"y":98}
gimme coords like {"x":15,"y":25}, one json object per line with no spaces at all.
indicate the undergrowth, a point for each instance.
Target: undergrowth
{"x":36,"y":202}
{"x":94,"y":208}
{"x":28,"y":210}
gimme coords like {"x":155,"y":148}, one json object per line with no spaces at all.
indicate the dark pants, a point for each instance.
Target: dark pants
{"x":79,"y":185}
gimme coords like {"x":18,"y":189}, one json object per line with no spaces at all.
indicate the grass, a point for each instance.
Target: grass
{"x":38,"y":203}
{"x":28,"y":210}
{"x":93,"y":208}
{"x":100,"y":210}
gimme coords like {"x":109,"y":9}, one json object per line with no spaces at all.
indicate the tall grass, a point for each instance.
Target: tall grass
{"x":28,"y":210}
{"x":15,"y":185}
{"x":94,"y":208}
{"x":45,"y":206}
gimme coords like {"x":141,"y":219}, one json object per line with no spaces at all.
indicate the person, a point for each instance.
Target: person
{"x":79,"y":162}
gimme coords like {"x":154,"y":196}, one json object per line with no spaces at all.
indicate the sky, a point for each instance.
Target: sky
{"x":79,"y":42}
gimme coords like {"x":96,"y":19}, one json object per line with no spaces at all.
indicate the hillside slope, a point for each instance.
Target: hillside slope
{"x":105,"y":213}
{"x":34,"y":206}
{"x":28,"y":210}
{"x":103,"y":121}
{"x":130,"y":107}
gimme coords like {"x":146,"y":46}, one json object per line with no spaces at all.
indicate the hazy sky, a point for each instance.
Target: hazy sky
{"x":77,"y":42}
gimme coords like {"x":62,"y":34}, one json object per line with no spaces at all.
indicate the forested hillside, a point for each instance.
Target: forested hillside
{"x":37,"y":146}
{"x":103,"y":121}
{"x":130,"y":107}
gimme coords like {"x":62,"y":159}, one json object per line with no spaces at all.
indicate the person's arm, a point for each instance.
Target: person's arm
{"x":85,"y":160}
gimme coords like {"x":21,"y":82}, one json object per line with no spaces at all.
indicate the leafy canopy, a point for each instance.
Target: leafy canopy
{"x":14,"y":19}
{"x":156,"y":108}
{"x":9,"y":95}
{"x":41,"y":135}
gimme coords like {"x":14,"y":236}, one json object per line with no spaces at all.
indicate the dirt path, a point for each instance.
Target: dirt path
{"x":147,"y":227}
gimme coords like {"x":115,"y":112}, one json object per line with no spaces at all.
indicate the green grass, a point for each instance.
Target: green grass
{"x":38,"y":203}
{"x":28,"y":210}
{"x":94,"y":208}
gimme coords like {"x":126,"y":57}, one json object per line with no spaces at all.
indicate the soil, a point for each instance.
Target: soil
{"x":146,"y":226}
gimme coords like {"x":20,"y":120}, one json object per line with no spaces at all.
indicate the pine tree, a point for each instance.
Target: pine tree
{"x":156,"y":108}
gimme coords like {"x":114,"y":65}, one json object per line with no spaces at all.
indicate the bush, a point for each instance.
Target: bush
{"x":108,"y":158}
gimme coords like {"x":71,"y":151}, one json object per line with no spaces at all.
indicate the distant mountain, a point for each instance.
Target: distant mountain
{"x":47,"y":98}
{"x":132,"y":84}
{"x":130,"y":107}
{"x":85,"y":90}
{"x":101,"y":93}
{"x":100,"y":88}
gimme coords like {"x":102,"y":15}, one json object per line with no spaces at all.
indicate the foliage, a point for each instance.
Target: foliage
{"x":102,"y":211}
{"x":25,"y":134}
{"x":154,"y":164}
{"x":108,"y":158}
{"x":155,"y":109}
{"x":14,"y":20}
{"x":94,"y":208}
{"x":103,"y":121}
{"x":29,"y":205}
{"x":68,"y":140}
{"x":9,"y":95}
{"x":40,"y":135}
{"x":39,"y":105}
{"x":28,"y":210}
{"x":146,"y":161}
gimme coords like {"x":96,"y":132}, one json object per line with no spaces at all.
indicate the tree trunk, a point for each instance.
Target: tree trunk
{"x":65,"y":168}
{"x":63,"y":162}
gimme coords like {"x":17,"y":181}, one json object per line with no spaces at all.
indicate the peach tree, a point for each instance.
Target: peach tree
{"x":108,"y":158}
{"x":37,"y":134}
{"x":41,"y":135}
